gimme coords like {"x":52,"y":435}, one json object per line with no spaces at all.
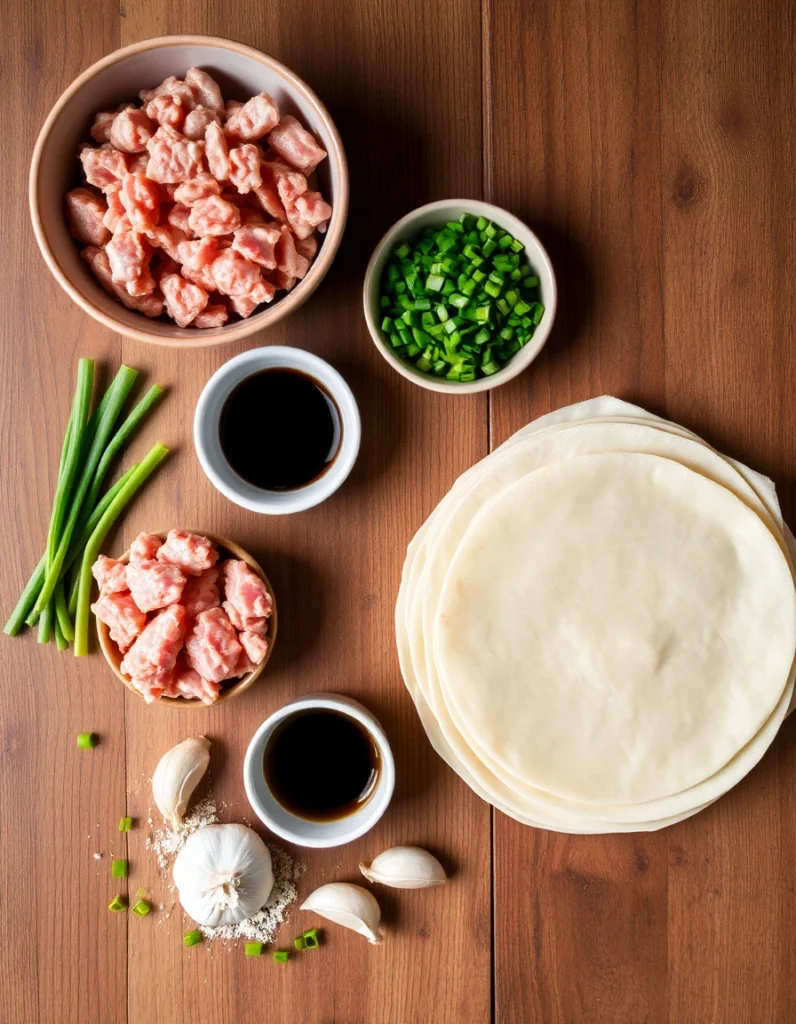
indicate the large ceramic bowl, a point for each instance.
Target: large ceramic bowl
{"x":226,"y":549}
{"x":241,"y":72}
{"x":435,"y":215}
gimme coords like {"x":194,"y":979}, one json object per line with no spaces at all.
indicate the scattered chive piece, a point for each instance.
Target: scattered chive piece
{"x":117,"y":904}
{"x":254,"y":948}
{"x":86,"y":740}
{"x":125,"y":824}
{"x":311,"y":939}
{"x":142,"y":908}
{"x":282,"y":956}
{"x":300,"y":942}
{"x":118,"y":868}
{"x":466,"y":277}
{"x":192,"y":938}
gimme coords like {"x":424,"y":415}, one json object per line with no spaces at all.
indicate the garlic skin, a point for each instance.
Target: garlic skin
{"x":223,"y":874}
{"x":349,"y":905}
{"x":177,"y":776}
{"x":405,"y":867}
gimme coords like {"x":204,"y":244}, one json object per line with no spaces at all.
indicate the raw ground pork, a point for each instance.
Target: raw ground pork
{"x":197,"y":209}
{"x":184,"y":625}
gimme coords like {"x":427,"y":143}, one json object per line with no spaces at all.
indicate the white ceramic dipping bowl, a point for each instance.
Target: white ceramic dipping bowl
{"x":290,"y":826}
{"x":241,"y":71}
{"x":435,"y":215}
{"x":208,"y":442}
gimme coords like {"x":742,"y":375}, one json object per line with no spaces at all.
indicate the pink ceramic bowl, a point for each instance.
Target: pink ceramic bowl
{"x":241,"y":72}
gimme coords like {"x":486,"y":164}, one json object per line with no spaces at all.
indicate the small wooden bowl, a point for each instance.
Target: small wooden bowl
{"x":226,"y":548}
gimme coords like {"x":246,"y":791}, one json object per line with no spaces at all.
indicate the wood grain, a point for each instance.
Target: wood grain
{"x":653,"y":147}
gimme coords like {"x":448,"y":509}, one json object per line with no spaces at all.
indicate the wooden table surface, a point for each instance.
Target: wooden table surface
{"x":652,"y":145}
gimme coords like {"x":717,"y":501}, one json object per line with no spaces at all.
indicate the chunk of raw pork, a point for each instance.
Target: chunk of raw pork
{"x":256,"y":242}
{"x":85,"y":212}
{"x":110,"y":574}
{"x":131,"y":130}
{"x":115,"y":216}
{"x":211,"y":316}
{"x":235,"y":275}
{"x":307,"y":212}
{"x":150,"y":661}
{"x":186,"y":682}
{"x":212,"y":647}
{"x":104,"y":168}
{"x":296,"y":145}
{"x":101,"y":128}
{"x":201,"y":593}
{"x":122,"y":616}
{"x":155,"y":584}
{"x":144,"y":547}
{"x":184,"y":300}
{"x":97,"y":259}
{"x":255,"y":646}
{"x":167,"y":110}
{"x":244,"y":168}
{"x":254,"y":119}
{"x":200,"y":187}
{"x":217,"y":151}
{"x":205,"y":89}
{"x":171,"y":86}
{"x":128,"y":254}
{"x":197,"y":120}
{"x":140,"y":199}
{"x":245,"y":591}
{"x":214,"y":216}
{"x":192,"y":553}
{"x":172,"y":157}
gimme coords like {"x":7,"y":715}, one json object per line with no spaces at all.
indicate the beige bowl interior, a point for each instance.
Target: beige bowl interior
{"x":226,"y":548}
{"x":241,"y":72}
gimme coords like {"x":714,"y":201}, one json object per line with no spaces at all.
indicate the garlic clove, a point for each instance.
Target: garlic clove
{"x":348,"y":905}
{"x":177,"y":775}
{"x":405,"y":867}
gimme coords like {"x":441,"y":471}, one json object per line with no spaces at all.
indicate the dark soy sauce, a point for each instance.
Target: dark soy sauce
{"x":321,"y":765}
{"x":280,"y":429}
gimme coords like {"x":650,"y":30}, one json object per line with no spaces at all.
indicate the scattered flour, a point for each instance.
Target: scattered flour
{"x":166,"y":842}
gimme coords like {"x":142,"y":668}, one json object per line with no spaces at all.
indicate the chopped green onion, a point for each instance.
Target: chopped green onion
{"x":125,"y":824}
{"x":299,"y":942}
{"x":117,"y":904}
{"x":118,"y":867}
{"x":281,"y":956}
{"x":142,"y":908}
{"x":254,"y":948}
{"x":192,"y":938}
{"x":311,"y":939}
{"x":86,"y":740}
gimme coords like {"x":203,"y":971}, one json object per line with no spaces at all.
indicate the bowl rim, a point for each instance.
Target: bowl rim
{"x":292,"y":300}
{"x":366,"y":817}
{"x":113,"y":655}
{"x":522,"y":359}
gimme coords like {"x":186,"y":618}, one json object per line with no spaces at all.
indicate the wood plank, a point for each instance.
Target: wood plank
{"x":63,"y":958}
{"x":336,"y":568}
{"x":655,"y":161}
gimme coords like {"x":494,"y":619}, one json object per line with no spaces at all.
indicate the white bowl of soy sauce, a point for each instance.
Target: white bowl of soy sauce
{"x":320,"y":772}
{"x":277,"y":430}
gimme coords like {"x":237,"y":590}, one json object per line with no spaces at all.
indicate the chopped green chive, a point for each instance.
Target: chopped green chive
{"x":125,"y":824}
{"x":118,"y":868}
{"x":192,"y":938}
{"x":117,"y":904}
{"x":142,"y":908}
{"x":299,"y":942}
{"x":254,"y":948}
{"x":282,"y":956}
{"x":311,"y":939}
{"x":87,"y":740}
{"x":454,"y":290}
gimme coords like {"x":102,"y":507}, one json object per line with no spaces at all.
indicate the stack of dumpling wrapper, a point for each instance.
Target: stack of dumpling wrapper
{"x":597,"y":624}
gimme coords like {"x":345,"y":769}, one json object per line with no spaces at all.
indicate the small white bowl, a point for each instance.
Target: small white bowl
{"x":208,"y":442}
{"x":436,"y":214}
{"x":311,"y":833}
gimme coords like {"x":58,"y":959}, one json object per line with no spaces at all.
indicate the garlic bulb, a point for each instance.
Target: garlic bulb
{"x":177,"y":776}
{"x":223,"y":874}
{"x":405,"y":867}
{"x":349,"y":905}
